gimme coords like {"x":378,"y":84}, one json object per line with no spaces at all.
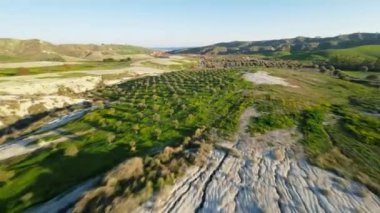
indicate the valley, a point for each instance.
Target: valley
{"x":164,"y":132}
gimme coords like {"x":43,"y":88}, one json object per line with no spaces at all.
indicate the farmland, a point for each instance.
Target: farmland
{"x":145,"y":116}
{"x":63,"y":68}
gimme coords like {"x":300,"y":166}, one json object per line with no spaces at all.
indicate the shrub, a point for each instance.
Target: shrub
{"x":108,"y":60}
{"x":364,"y":68}
{"x":110,"y":137}
{"x":270,"y":121}
{"x":71,"y":150}
{"x":6,"y":175}
{"x":331,"y":68}
{"x":136,"y":128}
{"x":133,"y":167}
{"x":37,"y":108}
{"x":125,"y":59}
{"x":323,"y":69}
{"x":337,"y":72}
{"x":315,"y":138}
{"x":157,"y":133}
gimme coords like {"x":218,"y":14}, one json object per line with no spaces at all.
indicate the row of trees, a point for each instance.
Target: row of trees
{"x":346,"y":62}
{"x":231,"y":62}
{"x":115,"y":60}
{"x":330,"y":69}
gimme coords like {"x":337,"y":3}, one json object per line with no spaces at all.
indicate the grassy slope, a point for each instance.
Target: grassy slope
{"x":362,"y":75}
{"x":366,"y":51}
{"x":129,"y":49}
{"x":152,"y":113}
{"x":14,"y":50}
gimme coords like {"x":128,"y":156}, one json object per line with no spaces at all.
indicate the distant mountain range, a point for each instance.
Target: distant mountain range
{"x":12,"y":50}
{"x":282,"y":47}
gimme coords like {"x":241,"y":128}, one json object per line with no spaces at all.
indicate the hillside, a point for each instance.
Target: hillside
{"x":286,"y":46}
{"x":349,"y":52}
{"x":13,"y":50}
{"x":365,"y":51}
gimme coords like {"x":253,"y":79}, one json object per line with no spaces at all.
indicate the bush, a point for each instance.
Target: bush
{"x":71,"y":150}
{"x":331,"y":68}
{"x":364,"y":68}
{"x":108,"y":60}
{"x":315,"y":138}
{"x":337,"y":72}
{"x":270,"y":121}
{"x":125,"y":59}
{"x":323,"y":69}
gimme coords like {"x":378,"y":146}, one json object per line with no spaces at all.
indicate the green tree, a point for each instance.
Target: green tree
{"x":136,"y":128}
{"x":156,"y":108}
{"x":322,"y":69}
{"x":171,"y":112}
{"x":157,"y":133}
{"x":176,"y":124}
{"x":364,"y":68}
{"x":156,"y":117}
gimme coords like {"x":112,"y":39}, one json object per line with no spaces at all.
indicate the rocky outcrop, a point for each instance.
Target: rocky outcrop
{"x":271,"y":175}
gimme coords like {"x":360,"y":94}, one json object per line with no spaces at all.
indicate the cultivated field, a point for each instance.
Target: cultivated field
{"x":145,"y":116}
{"x":163,"y":124}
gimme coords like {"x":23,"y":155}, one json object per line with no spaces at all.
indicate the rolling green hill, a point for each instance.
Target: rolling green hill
{"x":365,"y":51}
{"x":14,"y":50}
{"x":352,"y":52}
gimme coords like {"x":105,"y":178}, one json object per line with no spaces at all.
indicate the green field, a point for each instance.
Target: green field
{"x":9,"y":59}
{"x":63,"y":68}
{"x":149,"y":114}
{"x":350,"y":58}
{"x":366,"y":51}
{"x":372,"y":51}
{"x":361,"y":75}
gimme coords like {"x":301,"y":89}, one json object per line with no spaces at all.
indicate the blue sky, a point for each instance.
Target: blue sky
{"x":171,"y":23}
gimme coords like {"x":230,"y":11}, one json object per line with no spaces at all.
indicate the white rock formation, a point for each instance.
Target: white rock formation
{"x":25,"y":145}
{"x":271,"y":175}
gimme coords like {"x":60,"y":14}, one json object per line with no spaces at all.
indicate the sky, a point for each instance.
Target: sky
{"x":183,"y":23}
